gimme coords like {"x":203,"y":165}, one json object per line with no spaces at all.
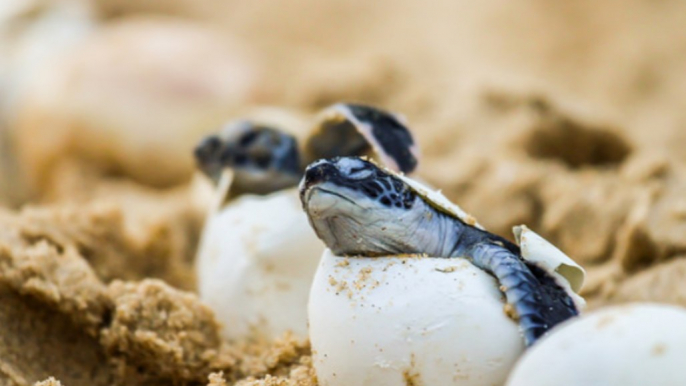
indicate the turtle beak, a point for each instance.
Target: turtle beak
{"x":317,"y":173}
{"x":207,"y":150}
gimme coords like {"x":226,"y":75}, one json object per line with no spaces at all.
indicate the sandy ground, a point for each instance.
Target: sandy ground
{"x":569,"y":118}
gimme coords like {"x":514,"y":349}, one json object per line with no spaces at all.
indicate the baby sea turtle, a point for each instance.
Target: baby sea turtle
{"x":357,"y":208}
{"x":266,"y":159}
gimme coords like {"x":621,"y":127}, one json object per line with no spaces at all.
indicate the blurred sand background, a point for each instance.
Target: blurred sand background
{"x":569,"y":117}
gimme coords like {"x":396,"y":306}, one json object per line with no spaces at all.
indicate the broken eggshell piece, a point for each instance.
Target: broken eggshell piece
{"x":409,"y":320}
{"x":566,"y":271}
{"x":628,"y":345}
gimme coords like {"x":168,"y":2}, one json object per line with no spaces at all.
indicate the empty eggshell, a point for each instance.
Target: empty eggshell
{"x":255,"y":264}
{"x":629,"y":345}
{"x":409,"y":321}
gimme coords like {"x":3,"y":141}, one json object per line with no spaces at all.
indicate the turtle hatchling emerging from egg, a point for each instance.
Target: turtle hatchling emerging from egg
{"x":357,"y":208}
{"x":266,"y":159}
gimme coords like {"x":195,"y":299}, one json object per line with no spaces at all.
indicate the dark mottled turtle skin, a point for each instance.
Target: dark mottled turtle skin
{"x":266,"y":159}
{"x":358,"y":209}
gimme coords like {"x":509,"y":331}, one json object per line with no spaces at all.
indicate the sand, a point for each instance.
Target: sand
{"x":566,"y":117}
{"x":105,"y":279}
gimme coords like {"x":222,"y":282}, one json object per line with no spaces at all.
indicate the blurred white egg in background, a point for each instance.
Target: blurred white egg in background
{"x":628,"y":345}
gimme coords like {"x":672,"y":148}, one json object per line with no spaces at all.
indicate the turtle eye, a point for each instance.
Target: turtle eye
{"x":354,"y":168}
{"x":359,"y":173}
{"x":248,"y":138}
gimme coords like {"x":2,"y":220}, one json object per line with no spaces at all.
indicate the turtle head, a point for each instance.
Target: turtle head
{"x":264,"y":159}
{"x":356,"y":208}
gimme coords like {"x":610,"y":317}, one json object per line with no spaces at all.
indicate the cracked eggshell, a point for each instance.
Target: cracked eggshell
{"x":629,"y":345}
{"x":566,"y":271}
{"x":409,"y":320}
{"x":255,"y":264}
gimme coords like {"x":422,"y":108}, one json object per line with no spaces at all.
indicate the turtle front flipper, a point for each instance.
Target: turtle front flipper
{"x":539,"y":302}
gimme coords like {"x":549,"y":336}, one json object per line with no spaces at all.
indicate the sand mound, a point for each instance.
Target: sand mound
{"x":60,"y":319}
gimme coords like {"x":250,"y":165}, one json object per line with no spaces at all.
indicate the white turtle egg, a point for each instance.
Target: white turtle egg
{"x":255,"y":264}
{"x":409,"y":320}
{"x":629,"y":345}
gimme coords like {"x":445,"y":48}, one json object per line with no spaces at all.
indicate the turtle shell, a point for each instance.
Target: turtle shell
{"x":439,"y":201}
